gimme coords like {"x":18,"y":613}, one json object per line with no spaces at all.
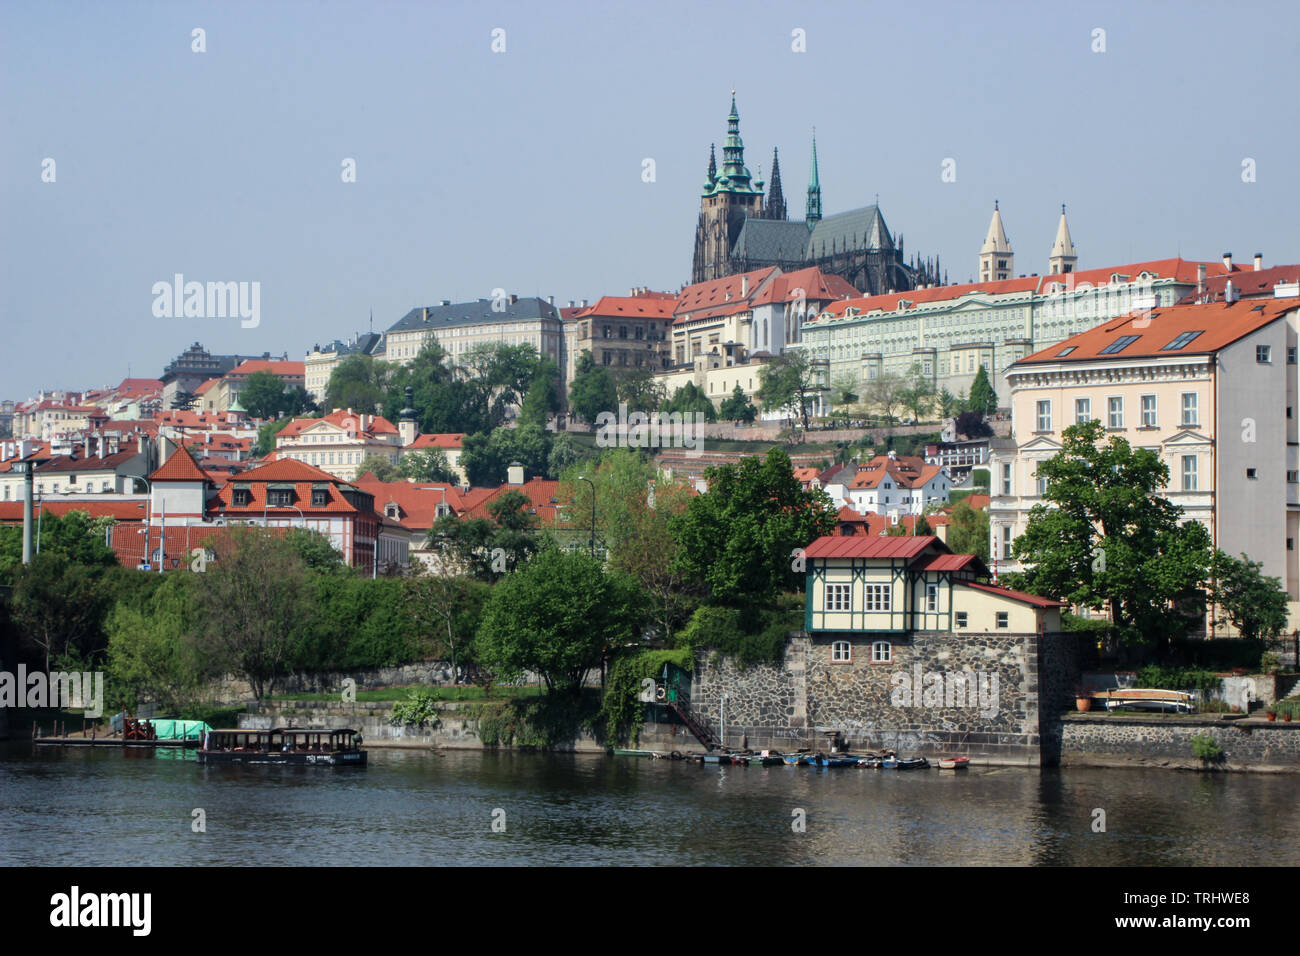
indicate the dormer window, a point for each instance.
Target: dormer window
{"x":279,"y":496}
{"x":242,"y":497}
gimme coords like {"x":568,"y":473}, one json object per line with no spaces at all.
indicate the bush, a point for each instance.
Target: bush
{"x":622,"y":710}
{"x":419,"y":708}
{"x":749,"y":635}
{"x":1177,"y":678}
{"x":1207,"y":749}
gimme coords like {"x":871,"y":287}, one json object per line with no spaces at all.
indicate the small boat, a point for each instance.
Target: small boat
{"x":871,"y":762}
{"x":771,"y":758}
{"x":841,"y":760}
{"x":910,"y":763}
{"x":954,"y":763}
{"x":290,"y":745}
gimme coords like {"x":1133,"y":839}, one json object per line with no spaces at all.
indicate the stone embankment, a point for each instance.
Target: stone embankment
{"x":1131,"y":740}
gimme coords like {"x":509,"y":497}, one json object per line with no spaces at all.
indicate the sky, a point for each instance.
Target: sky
{"x":522,"y":168}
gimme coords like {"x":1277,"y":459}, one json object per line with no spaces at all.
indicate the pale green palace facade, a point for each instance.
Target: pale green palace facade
{"x":950,"y":331}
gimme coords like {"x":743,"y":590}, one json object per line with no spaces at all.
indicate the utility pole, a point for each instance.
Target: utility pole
{"x":26,"y":467}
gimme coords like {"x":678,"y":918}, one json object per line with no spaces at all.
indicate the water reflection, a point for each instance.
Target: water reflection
{"x":104,"y":806}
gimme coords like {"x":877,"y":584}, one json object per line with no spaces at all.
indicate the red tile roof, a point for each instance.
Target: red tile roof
{"x":542,"y":495}
{"x":711,"y":298}
{"x":11,"y":512}
{"x":870,"y":546}
{"x":1219,"y":323}
{"x":417,"y":502}
{"x":342,"y":418}
{"x":906,"y":471}
{"x":648,"y":306}
{"x":947,"y":562}
{"x":446,"y":440}
{"x":281,"y":369}
{"x":815,"y":284}
{"x":1250,"y":282}
{"x":1033,"y":599}
{"x":179,"y":467}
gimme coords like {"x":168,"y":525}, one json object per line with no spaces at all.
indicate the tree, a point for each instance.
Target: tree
{"x":446,"y":608}
{"x":75,"y":536}
{"x":968,"y":531}
{"x":565,"y":453}
{"x":690,"y":399}
{"x":59,"y":605}
{"x":948,"y":405}
{"x":592,"y":390}
{"x":1103,"y":536}
{"x":250,"y":605}
{"x":558,"y":616}
{"x":789,"y":383}
{"x":639,"y":389}
{"x":266,"y":437}
{"x":1254,"y":603}
{"x":263,"y":395}
{"x":921,"y":527}
{"x":488,"y":548}
{"x":543,"y":398}
{"x":427,"y":464}
{"x":380,"y":467}
{"x":503,"y":374}
{"x":358,"y":382}
{"x":740,"y":538}
{"x":886,"y":392}
{"x":185,"y":401}
{"x":485,"y":458}
{"x":917,"y":391}
{"x":151,"y":651}
{"x":982,"y":397}
{"x":972,"y":425}
{"x":737,"y":407}
{"x":297,"y":401}
{"x":317,"y":551}
{"x":845,"y":391}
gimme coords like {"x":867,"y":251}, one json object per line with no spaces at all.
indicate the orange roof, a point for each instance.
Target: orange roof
{"x":1252,"y":282}
{"x":417,"y":502}
{"x":282,"y":369}
{"x":344,"y":419}
{"x":541,"y":493}
{"x":1216,"y":324}
{"x":179,"y":467}
{"x":11,"y":512}
{"x":203,"y":389}
{"x":806,"y":474}
{"x":1033,"y":599}
{"x":907,"y":472}
{"x":649,"y":305}
{"x":815,"y":284}
{"x":890,"y":301}
{"x":446,"y":440}
{"x":875,"y":524}
{"x":713,"y":295}
{"x":1179,"y":269}
{"x":871,"y":546}
{"x":287,"y":469}
{"x":977,"y":501}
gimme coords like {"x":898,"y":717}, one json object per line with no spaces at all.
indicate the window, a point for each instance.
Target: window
{"x":319,"y":498}
{"x":960,"y":618}
{"x":1189,"y":409}
{"x":1263,"y":354}
{"x":1290,"y":355}
{"x":242,"y":497}
{"x":1006,"y":478}
{"x":877,"y":597}
{"x":1181,"y":341}
{"x":1004,"y":619}
{"x":837,"y":597}
{"x":882,"y":652}
{"x":932,"y":597}
{"x":1082,"y":410}
{"x":1115,"y":412}
{"x":1065,"y":351}
{"x":1292,"y":477}
{"x":1251,"y":473}
{"x":279,"y":498}
{"x":1006,"y":542}
{"x":1290,"y":544}
{"x":841,"y":652}
{"x":1119,"y":345}
{"x":1148,"y":411}
{"x":1042,"y":486}
{"x":1189,"y":472}
{"x":1044,"y":416}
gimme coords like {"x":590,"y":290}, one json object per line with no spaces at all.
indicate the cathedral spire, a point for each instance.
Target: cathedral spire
{"x":775,"y":197}
{"x":1063,"y":258}
{"x":713,"y":166}
{"x":814,"y":213}
{"x":996,"y":257}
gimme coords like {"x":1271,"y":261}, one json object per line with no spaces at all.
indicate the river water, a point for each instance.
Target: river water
{"x":109,"y":807}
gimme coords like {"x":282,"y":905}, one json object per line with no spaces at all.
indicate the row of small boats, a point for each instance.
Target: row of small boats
{"x":882,"y":760}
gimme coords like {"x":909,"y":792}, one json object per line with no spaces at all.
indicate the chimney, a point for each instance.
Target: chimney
{"x":570,"y":305}
{"x":584,"y":303}
{"x":1259,"y":261}
{"x":550,"y":300}
{"x":513,"y":298}
{"x":1227,"y":261}
{"x":515,"y":474}
{"x":444,"y":302}
{"x":1229,"y":293}
{"x":426,"y":318}
{"x":1200,"y":280}
{"x":744,"y":286}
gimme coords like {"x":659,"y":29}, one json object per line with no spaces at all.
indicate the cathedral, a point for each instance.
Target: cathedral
{"x":739,"y":232}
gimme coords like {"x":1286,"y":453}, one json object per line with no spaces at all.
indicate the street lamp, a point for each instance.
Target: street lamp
{"x":593,"y":512}
{"x":25,"y":468}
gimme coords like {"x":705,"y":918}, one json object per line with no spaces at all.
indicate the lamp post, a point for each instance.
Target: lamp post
{"x":593,"y":512}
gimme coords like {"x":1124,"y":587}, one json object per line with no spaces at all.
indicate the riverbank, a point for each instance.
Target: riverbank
{"x":1247,"y":744}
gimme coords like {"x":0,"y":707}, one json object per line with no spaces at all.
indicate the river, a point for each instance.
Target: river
{"x":109,"y":807}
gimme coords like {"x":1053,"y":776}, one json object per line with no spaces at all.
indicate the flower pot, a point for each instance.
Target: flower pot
{"x":1286,"y":718}
{"x":1272,"y":717}
{"x":1083,"y":704}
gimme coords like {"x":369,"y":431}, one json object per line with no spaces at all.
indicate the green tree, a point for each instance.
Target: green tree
{"x":688,"y":399}
{"x":317,"y":551}
{"x":737,"y":407}
{"x":427,"y":464}
{"x":59,"y":606}
{"x":543,"y":398}
{"x":558,"y":616}
{"x":74,"y":536}
{"x":982,"y":397}
{"x":565,"y":453}
{"x":1255,"y":603}
{"x":250,"y":606}
{"x":845,"y":391}
{"x":485,"y":458}
{"x":1103,"y":536}
{"x":968,"y":531}
{"x":446,"y":609}
{"x":380,"y":467}
{"x":887,"y":392}
{"x":151,"y":652}
{"x":592,"y":390}
{"x":263,"y":395}
{"x":739,"y":538}
{"x":639,"y":389}
{"x":266,"y":437}
{"x":488,"y":548}
{"x":358,"y":382}
{"x":917,"y":391}
{"x":789,"y":383}
{"x":948,"y":405}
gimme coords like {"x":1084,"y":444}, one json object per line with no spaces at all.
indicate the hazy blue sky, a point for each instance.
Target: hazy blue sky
{"x":522,"y":170}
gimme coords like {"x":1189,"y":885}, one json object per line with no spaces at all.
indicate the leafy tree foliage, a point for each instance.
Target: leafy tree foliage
{"x":789,"y":383}
{"x":543,"y":398}
{"x":265,"y":443}
{"x":1255,"y":603}
{"x":446,"y":609}
{"x":968,"y":531}
{"x":1103,"y":536}
{"x":639,"y":389}
{"x":917,"y":392}
{"x":151,"y":651}
{"x":982,"y":397}
{"x":558,"y":615}
{"x":75,"y":536}
{"x":427,"y":464}
{"x":972,"y":425}
{"x":263,"y":395}
{"x":737,"y":407}
{"x":488,"y":548}
{"x":740,"y":536}
{"x":380,"y":467}
{"x":690,"y":398}
{"x":317,"y":551}
{"x":887,"y":392}
{"x":358,"y":382}
{"x":485,"y":458}
{"x":592,"y":391}
{"x":59,"y":605}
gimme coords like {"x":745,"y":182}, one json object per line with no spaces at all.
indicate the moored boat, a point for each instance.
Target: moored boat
{"x":954,"y":763}
{"x":292,"y":746}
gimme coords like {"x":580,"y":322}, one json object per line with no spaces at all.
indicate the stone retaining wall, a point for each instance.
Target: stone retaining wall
{"x":1122,"y":739}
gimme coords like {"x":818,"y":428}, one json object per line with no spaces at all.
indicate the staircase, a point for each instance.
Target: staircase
{"x":683,"y":711}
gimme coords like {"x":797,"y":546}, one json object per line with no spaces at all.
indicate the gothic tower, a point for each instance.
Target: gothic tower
{"x":729,"y":196}
{"x":775,"y":197}
{"x":1063,"y":258}
{"x":814,"y":212}
{"x":997,"y":261}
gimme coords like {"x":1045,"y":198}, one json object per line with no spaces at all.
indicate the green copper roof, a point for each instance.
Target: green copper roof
{"x":734,"y":177}
{"x":814,"y":211}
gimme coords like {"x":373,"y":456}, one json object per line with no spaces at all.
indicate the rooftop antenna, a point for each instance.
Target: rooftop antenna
{"x":372,"y":318}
